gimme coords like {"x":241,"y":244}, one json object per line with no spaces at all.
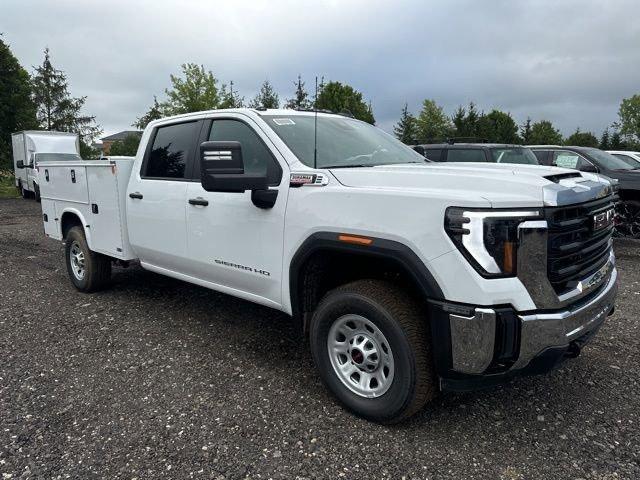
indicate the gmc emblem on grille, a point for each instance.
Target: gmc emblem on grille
{"x":603,"y":220}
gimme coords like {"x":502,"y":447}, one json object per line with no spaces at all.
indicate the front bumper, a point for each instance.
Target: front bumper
{"x":480,"y":346}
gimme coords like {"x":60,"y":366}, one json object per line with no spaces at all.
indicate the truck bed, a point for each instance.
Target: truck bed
{"x":93,"y":190}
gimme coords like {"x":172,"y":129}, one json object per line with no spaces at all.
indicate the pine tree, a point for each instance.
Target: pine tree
{"x":230,"y":98}
{"x":432,"y":124}
{"x":604,"y":140}
{"x":266,"y":97}
{"x":57,"y":109}
{"x":406,"y":129}
{"x":525,"y":131}
{"x":616,"y":141}
{"x":301,"y":99}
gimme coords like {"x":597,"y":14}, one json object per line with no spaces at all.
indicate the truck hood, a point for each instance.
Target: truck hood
{"x":502,"y":185}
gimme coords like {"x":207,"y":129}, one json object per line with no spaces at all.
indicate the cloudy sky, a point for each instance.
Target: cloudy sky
{"x":569,"y":61}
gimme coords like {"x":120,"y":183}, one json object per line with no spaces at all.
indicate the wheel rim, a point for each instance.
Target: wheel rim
{"x":76,"y":259}
{"x":361,"y":356}
{"x":628,"y":220}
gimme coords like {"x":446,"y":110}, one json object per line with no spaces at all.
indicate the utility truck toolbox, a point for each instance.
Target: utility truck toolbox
{"x":408,"y":277}
{"x":89,"y":194}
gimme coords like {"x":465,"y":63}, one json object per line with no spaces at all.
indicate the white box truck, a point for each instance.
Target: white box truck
{"x":30,"y":147}
{"x":408,"y":277}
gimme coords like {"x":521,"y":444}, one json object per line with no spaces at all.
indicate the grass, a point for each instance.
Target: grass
{"x":8,"y":185}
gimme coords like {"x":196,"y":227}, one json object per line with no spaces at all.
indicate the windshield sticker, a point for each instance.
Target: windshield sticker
{"x":283,"y":121}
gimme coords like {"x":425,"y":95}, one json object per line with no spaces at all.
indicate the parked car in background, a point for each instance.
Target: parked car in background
{"x":477,"y":152}
{"x":30,"y":147}
{"x":588,"y":159}
{"x":632,"y":158}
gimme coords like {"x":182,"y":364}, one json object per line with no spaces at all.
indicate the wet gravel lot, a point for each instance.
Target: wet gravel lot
{"x":155,"y":378}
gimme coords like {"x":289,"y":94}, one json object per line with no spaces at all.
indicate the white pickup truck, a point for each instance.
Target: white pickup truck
{"x":408,"y":277}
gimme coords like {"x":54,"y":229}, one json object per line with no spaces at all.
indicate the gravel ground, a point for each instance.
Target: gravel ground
{"x":155,"y":378}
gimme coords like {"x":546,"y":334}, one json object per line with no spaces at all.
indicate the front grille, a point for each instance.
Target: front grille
{"x":575,"y":249}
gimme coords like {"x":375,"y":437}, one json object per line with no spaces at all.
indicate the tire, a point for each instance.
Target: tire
{"x":23,"y":193}
{"x":36,"y":193}
{"x":89,"y":271}
{"x":384,"y":320}
{"x":628,"y":219}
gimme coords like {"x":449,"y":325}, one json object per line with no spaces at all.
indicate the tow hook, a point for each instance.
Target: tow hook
{"x":573,"y":351}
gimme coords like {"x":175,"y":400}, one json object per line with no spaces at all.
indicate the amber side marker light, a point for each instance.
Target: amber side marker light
{"x":355,"y":239}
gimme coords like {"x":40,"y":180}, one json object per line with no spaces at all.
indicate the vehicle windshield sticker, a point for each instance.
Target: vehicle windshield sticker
{"x":283,"y":121}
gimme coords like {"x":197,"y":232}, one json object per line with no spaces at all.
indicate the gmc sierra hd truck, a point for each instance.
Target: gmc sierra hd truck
{"x":408,"y":277}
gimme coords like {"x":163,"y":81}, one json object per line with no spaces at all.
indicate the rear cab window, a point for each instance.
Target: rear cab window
{"x":466,"y":155}
{"x":171,"y":152}
{"x":434,"y":154}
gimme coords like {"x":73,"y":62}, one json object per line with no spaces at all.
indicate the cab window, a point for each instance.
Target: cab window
{"x":567,"y":159}
{"x":256,"y":156}
{"x":466,"y":155}
{"x":171,"y":151}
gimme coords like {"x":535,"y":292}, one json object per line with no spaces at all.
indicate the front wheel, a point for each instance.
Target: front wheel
{"x":370,"y":342}
{"x":89,"y":271}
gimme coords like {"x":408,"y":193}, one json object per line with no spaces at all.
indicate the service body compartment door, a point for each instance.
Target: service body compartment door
{"x":50,"y":220}
{"x":63,"y":182}
{"x":105,"y":219}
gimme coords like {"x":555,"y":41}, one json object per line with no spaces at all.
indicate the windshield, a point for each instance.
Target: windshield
{"x":627,"y":159}
{"x":342,"y":142}
{"x":57,"y":157}
{"x":514,"y":155}
{"x":608,"y":161}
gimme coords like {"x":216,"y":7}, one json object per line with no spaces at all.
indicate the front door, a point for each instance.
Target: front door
{"x":156,"y":197}
{"x":231,"y":242}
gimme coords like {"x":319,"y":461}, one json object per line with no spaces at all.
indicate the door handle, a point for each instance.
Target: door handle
{"x":198,"y":201}
{"x":137,"y":195}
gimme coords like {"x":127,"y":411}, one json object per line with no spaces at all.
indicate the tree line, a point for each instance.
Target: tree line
{"x":433,"y":125}
{"x":42,"y":100}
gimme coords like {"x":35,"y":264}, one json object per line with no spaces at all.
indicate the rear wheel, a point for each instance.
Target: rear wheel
{"x":89,"y":271}
{"x":628,"y":219}
{"x":36,"y":192}
{"x":370,"y":342}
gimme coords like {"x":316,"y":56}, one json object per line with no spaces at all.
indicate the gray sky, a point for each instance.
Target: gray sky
{"x":569,"y":61}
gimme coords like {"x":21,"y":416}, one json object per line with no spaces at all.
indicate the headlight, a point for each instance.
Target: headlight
{"x":487,"y":238}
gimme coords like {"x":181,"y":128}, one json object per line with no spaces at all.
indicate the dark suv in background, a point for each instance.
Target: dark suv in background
{"x":477,"y":152}
{"x":587,"y":159}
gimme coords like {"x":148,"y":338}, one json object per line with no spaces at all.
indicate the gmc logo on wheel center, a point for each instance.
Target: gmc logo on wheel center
{"x":603,"y":219}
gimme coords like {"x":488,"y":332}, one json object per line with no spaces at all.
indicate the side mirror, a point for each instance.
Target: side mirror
{"x":589,"y":168}
{"x":222,"y":169}
{"x":20,"y":164}
{"x":420,"y":149}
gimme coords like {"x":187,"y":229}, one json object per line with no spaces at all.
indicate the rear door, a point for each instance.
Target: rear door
{"x":156,"y":196}
{"x":231,"y":242}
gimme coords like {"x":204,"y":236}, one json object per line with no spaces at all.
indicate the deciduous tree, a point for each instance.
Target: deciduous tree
{"x":582,"y":139}
{"x":432,"y":123}
{"x":17,"y":110}
{"x":126,"y":147}
{"x":339,"y":97}
{"x":629,"y":117}
{"x":155,"y":112}
{"x":544,"y":133}
{"x":498,"y":127}
{"x":194,"y":91}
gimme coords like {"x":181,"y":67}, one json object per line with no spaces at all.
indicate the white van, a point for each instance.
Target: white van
{"x":34,"y":146}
